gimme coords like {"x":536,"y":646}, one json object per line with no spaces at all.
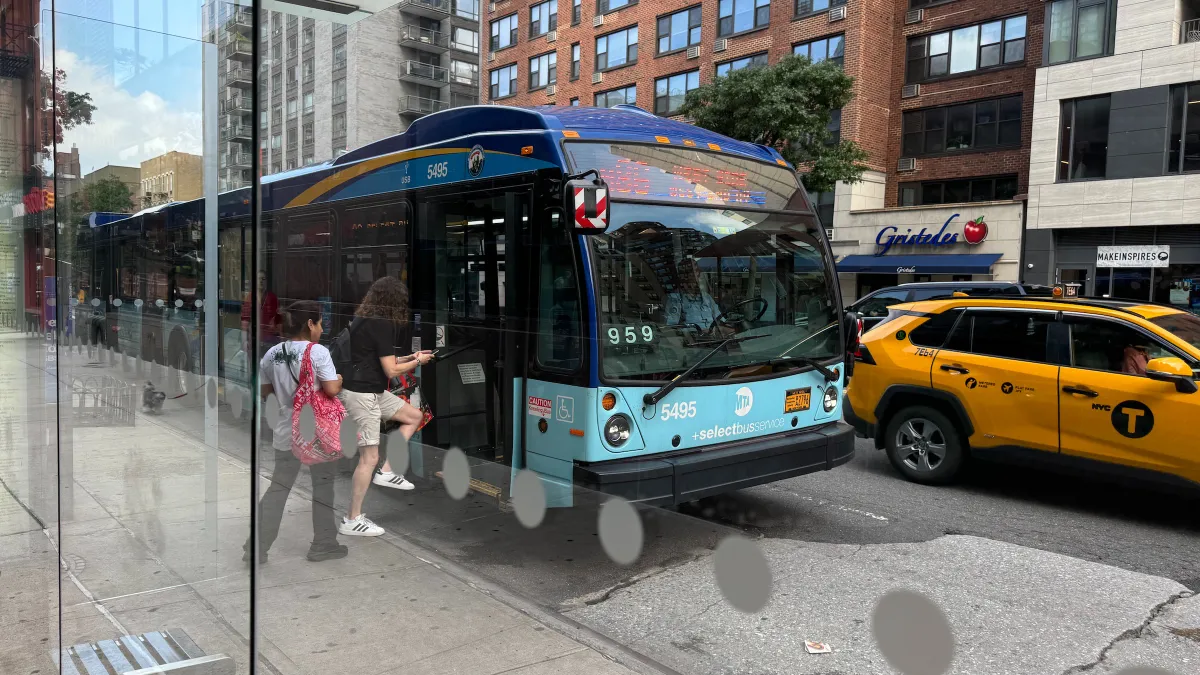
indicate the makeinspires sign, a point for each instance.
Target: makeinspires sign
{"x":974,"y":232}
{"x":1133,"y":256}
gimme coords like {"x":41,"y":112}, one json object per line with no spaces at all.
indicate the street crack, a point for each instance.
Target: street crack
{"x":1134,"y":633}
{"x":607,"y":593}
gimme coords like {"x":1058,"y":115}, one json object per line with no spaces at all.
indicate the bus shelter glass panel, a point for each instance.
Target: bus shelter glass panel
{"x":154,"y":433}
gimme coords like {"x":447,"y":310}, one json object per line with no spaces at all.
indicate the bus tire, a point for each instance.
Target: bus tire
{"x":924,"y":445}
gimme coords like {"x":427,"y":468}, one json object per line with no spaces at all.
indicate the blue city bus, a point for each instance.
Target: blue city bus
{"x":682,"y":338}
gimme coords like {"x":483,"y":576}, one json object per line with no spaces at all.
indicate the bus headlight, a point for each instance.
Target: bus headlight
{"x":831,"y":399}
{"x":616,"y":430}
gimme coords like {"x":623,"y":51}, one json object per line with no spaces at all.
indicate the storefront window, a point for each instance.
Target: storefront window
{"x":1178,"y":286}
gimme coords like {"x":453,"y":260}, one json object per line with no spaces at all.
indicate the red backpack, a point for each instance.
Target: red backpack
{"x":328,"y":412}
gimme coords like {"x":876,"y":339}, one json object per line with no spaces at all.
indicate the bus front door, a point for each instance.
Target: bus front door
{"x":461,"y":307}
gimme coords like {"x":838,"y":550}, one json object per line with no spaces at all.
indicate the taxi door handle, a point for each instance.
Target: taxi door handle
{"x":1081,"y":390}
{"x":954,"y":368}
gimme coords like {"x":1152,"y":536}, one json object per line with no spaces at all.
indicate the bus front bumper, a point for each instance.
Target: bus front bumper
{"x":680,"y":478}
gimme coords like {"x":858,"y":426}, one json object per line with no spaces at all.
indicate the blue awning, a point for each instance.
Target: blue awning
{"x":958,"y":263}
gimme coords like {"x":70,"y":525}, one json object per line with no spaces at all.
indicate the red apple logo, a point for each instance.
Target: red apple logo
{"x":975,"y":231}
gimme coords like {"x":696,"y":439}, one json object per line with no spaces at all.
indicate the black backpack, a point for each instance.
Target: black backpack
{"x":342,"y":353}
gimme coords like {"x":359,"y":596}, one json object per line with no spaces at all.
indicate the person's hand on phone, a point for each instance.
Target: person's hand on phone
{"x":423,"y":357}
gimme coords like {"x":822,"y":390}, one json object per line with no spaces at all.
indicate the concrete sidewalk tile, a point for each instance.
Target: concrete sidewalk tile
{"x":582,"y":662}
{"x":521,"y":645}
{"x":354,"y":624}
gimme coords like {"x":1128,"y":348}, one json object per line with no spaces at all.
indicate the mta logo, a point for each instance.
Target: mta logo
{"x":745,"y":401}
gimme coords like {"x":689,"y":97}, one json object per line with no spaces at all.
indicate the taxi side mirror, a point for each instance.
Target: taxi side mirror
{"x":1172,"y":369}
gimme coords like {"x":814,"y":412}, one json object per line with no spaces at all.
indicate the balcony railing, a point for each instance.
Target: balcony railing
{"x":469,"y":79}
{"x":237,"y":160}
{"x":241,"y":76}
{"x":424,"y":37}
{"x":418,"y":105}
{"x":235,"y":132}
{"x":424,"y":71}
{"x":236,"y":47}
{"x":1190,"y":31}
{"x":426,"y":7}
{"x":235,"y":105}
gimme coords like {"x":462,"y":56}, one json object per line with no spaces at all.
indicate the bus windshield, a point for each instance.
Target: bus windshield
{"x":673,"y":282}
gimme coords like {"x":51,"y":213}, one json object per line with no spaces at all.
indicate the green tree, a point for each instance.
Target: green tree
{"x":62,"y":109}
{"x":786,"y":106}
{"x":109,"y":194}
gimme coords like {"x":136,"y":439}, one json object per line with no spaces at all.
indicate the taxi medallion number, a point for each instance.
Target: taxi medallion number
{"x":797,"y":400}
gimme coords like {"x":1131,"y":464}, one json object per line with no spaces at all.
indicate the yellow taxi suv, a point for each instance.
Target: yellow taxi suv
{"x":1083,"y":384}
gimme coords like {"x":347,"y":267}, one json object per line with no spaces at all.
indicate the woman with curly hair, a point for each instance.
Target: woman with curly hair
{"x":373,"y":337}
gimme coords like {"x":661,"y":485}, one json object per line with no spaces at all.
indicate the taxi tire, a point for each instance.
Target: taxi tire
{"x":956,"y":454}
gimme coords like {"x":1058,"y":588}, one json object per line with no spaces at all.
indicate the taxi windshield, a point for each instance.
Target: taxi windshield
{"x":1185,"y":326}
{"x":673,"y":282}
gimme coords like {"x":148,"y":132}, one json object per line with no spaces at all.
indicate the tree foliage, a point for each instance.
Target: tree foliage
{"x":786,"y":106}
{"x":62,"y":109}
{"x":109,"y":195}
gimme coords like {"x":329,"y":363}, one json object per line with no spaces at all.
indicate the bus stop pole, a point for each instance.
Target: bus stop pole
{"x":211,"y":310}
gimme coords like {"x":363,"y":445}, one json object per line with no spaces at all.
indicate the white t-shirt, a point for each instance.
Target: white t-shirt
{"x":280,"y":368}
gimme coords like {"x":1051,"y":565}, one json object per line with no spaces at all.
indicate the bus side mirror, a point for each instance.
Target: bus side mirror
{"x":586,"y":204}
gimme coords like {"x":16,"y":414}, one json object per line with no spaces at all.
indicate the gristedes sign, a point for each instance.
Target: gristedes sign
{"x":1133,"y":256}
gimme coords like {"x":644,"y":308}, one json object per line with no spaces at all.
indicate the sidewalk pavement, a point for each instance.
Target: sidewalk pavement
{"x":151,"y":539}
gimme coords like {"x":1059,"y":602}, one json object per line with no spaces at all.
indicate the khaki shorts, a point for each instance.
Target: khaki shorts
{"x":368,"y":410}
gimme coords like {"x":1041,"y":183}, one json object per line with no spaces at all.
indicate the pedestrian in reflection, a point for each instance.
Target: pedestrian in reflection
{"x":280,"y":374}
{"x":373,"y":336}
{"x":268,"y":318}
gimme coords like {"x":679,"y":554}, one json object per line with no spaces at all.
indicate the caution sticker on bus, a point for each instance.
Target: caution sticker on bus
{"x":797,"y":400}
{"x":540,"y":407}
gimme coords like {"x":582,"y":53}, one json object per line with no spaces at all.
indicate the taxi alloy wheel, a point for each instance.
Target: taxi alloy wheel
{"x":924,"y":445}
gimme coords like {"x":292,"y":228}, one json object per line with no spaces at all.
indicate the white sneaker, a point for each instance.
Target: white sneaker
{"x":392,"y":480}
{"x":360,"y":527}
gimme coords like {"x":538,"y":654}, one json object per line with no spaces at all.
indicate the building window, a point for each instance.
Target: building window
{"x":961,"y":191}
{"x":291,"y":109}
{"x":810,"y":6}
{"x":606,"y":6}
{"x":754,"y":61}
{"x":339,"y":56}
{"x":669,"y":92}
{"x":276,"y":141}
{"x":575,"y":101}
{"x":739,"y":16}
{"x":339,"y":124}
{"x":575,"y":61}
{"x":308,"y":36}
{"x":306,"y":70}
{"x":504,"y":33}
{"x":983,"y":124}
{"x":276,"y":86}
{"x":832,"y":48}
{"x":607,"y":99}
{"x":543,"y":70}
{"x":308,"y":133}
{"x":504,"y":82}
{"x":464,"y":39}
{"x":1183,"y":140}
{"x":823,"y":202}
{"x":1083,"y":138}
{"x":463,"y":72}
{"x":276,"y":167}
{"x":1079,"y":29}
{"x":679,"y":30}
{"x":576,"y":11}
{"x":617,"y":49}
{"x":467,"y":9}
{"x":543,"y":18}
{"x":834,"y":127}
{"x":277,"y":51}
{"x":293,"y":45}
{"x":291,"y":75}
{"x":339,"y":91}
{"x":308,"y":103}
{"x":966,"y":49}
{"x":276,"y":114}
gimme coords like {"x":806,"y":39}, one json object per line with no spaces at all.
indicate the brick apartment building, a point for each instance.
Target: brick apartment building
{"x":943,"y":102}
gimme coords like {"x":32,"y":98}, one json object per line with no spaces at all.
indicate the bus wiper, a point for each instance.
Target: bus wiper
{"x":655,"y":397}
{"x":828,"y":374}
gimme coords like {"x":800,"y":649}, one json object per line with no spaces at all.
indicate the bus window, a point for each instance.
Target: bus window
{"x":558,"y":345}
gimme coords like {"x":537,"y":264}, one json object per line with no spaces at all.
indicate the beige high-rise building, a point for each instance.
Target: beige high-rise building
{"x":171,"y":177}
